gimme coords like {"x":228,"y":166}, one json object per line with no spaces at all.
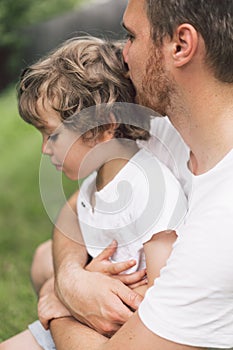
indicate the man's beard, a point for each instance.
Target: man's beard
{"x":156,"y":88}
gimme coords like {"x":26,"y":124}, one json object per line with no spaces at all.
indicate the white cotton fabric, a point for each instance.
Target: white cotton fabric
{"x":142,"y":199}
{"x":192,"y":301}
{"x":168,"y":146}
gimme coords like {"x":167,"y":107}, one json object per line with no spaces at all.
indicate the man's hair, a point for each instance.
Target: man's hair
{"x":82,"y":72}
{"x":213,"y":19}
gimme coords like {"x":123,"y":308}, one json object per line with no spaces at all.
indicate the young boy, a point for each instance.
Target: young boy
{"x":80,"y":98}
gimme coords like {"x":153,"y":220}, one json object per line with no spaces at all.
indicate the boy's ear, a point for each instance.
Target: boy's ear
{"x":185,"y":43}
{"x":109,"y":133}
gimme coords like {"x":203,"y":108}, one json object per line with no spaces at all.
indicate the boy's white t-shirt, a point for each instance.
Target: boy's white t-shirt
{"x":142,"y":199}
{"x":192,"y":301}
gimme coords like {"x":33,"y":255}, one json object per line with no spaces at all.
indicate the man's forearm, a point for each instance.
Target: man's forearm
{"x":70,"y":334}
{"x":133,"y":335}
{"x":69,"y":261}
{"x":69,"y":252}
{"x":68,"y":245}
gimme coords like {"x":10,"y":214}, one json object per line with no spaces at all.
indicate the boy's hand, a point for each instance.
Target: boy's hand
{"x":49,"y":308}
{"x":103,"y":264}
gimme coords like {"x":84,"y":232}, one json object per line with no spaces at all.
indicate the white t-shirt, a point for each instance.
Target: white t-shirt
{"x":142,"y":199}
{"x":168,"y":146}
{"x":192,"y":301}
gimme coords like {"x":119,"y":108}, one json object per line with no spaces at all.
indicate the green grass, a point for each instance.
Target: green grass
{"x":23,"y":220}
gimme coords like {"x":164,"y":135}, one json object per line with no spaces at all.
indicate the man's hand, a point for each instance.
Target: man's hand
{"x":101,"y":302}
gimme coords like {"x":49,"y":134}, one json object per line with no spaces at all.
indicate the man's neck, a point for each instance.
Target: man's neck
{"x":207,"y":126}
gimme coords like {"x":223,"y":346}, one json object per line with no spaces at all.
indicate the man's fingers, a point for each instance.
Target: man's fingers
{"x":129,"y":297}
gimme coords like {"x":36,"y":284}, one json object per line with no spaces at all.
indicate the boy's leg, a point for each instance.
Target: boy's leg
{"x":42,"y":265}
{"x":24,"y":340}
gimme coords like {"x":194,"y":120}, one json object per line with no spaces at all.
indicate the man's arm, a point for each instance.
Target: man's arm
{"x":69,"y":334}
{"x":69,"y":255}
{"x":93,"y":298}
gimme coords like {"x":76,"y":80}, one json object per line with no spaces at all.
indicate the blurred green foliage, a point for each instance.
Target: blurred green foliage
{"x":23,"y":220}
{"x":15,"y":15}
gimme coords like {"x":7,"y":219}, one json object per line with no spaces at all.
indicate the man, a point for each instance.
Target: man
{"x":179,"y":55}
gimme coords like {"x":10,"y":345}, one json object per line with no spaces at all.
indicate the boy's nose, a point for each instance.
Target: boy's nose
{"x":46,"y":147}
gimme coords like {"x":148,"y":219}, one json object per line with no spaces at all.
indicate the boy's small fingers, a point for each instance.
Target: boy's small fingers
{"x":108,"y":251}
{"x":133,"y":278}
{"x":138,"y":284}
{"x":116,"y":268}
{"x":44,"y":323}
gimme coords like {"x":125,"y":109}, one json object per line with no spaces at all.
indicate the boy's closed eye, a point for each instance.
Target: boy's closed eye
{"x":129,"y":36}
{"x":53,"y":137}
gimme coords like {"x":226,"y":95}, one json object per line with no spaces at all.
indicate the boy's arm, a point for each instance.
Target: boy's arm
{"x":93,"y":298}
{"x":157,"y":251}
{"x":49,"y":306}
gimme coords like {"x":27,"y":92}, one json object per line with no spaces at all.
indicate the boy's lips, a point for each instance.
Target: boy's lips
{"x":57,"y":166}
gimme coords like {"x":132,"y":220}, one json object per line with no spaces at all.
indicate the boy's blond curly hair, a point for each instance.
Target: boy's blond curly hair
{"x":82,"y":72}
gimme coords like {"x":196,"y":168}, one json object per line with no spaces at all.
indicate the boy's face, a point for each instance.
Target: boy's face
{"x":65,"y":148}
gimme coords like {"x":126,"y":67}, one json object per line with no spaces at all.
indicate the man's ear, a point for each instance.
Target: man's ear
{"x":185,"y":43}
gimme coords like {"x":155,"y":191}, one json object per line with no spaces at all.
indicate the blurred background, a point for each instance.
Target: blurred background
{"x":28,"y":30}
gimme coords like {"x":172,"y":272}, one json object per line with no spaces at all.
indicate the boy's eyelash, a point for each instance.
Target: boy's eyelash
{"x":129,"y":36}
{"x":53,"y":137}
